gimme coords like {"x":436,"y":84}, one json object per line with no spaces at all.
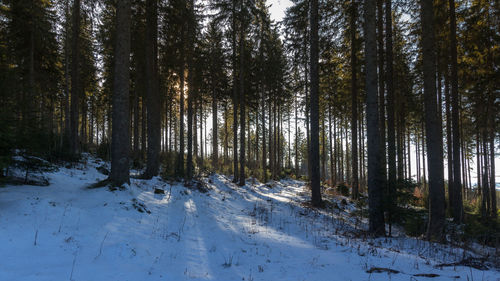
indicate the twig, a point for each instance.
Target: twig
{"x":36,"y":235}
{"x":73,"y":266}
{"x":102,"y":243}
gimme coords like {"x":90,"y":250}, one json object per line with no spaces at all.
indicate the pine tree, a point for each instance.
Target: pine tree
{"x":375,"y":183}
{"x":432,"y":125}
{"x":152,"y":94}
{"x":120,"y":145}
{"x":314,"y":156}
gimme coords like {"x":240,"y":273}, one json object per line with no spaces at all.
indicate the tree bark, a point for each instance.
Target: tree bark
{"x":375,"y":188}
{"x":434,"y":139}
{"x":120,"y":140}
{"x":457,"y":208}
{"x":215,"y":147}
{"x":381,"y":91}
{"x":152,"y":93}
{"x":235,"y":99}
{"x":354,"y":103}
{"x":242,"y":107}
{"x":314,"y":157}
{"x":180,"y":155}
{"x":493,"y":194}
{"x":75,"y":80}
{"x":190,"y":42}
{"x":391,"y":126}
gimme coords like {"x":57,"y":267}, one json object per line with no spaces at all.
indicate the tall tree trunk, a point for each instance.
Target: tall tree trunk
{"x":335,"y":151}
{"x":242,"y":106}
{"x":120,"y":141}
{"x":67,"y":122}
{"x":381,"y":91}
{"x":375,"y":188}
{"x":391,"y":126}
{"x":136,"y":123}
{"x":408,"y":154}
{"x":417,"y":156}
{"x":296,"y":141}
{"x":226,"y":132}
{"x":143,"y":126}
{"x":215,"y":147}
{"x":235,"y":99}
{"x":354,"y":102}
{"x":361,"y":137}
{"x":271,"y":139}
{"x":196,"y":105}
{"x":449,"y":140}
{"x":493,"y":195}
{"x":152,"y":93}
{"x":264,"y":155}
{"x":457,"y":208}
{"x":190,"y":46}
{"x":203,"y":138}
{"x":323,"y":150}
{"x":331,"y":141}
{"x":486,"y":169}
{"x":289,"y":166}
{"x":434,"y":139}
{"x":75,"y":80}
{"x":180,"y":155}
{"x":314,"y":157}
{"x":424,"y":182}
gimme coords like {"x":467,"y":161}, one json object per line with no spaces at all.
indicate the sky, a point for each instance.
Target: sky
{"x":278,"y":8}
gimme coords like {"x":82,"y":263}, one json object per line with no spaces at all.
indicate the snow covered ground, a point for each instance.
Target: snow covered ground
{"x":65,"y":231}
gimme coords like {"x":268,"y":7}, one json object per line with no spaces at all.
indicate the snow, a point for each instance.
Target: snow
{"x":65,"y":231}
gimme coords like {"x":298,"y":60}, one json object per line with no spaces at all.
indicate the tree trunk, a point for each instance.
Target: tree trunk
{"x":226,"y":132}
{"x":75,"y":80}
{"x":242,"y":108}
{"x":136,"y":124}
{"x":449,"y":140}
{"x":152,"y":93}
{"x":332,"y":164}
{"x":143,"y":125}
{"x":296,"y":142}
{"x":354,"y":103}
{"x":180,"y":155}
{"x":457,"y":208}
{"x":67,"y":121}
{"x":264,"y":155}
{"x":190,"y":42}
{"x":375,"y":188}
{"x":391,"y":126}
{"x":493,"y":195}
{"x":215,"y":148}
{"x":314,"y":157}
{"x":381,"y":92}
{"x":433,"y":129}
{"x":235,"y":99}
{"x":120,"y":141}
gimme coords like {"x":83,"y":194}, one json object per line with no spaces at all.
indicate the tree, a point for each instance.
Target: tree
{"x":314,"y":107}
{"x":120,"y":141}
{"x":190,"y":46}
{"x":354,"y":102}
{"x":457,"y":204}
{"x":391,"y":126}
{"x":152,"y":94}
{"x":433,"y":130}
{"x":375,"y":183}
{"x":75,"y":80}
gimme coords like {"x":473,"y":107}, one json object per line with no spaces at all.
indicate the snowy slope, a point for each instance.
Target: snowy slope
{"x":258,"y":232}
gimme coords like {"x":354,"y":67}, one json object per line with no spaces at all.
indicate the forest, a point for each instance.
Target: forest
{"x":375,"y":118}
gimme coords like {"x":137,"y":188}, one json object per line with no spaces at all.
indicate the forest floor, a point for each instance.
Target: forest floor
{"x":66,"y":231}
